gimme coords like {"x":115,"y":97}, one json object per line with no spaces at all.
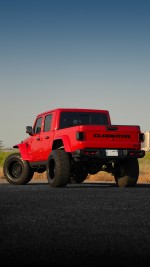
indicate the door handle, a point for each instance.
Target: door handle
{"x":47,"y":137}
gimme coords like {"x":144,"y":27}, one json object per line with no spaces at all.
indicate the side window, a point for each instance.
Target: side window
{"x":47,"y":123}
{"x":37,"y":127}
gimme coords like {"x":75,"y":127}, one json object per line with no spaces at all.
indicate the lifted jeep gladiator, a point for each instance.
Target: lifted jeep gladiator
{"x":69,"y":144}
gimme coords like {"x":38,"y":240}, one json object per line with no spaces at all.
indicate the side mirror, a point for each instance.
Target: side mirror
{"x":29,"y":130}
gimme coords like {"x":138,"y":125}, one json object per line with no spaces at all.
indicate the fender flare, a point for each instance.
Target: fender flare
{"x":66,"y":141}
{"x":23,"y":150}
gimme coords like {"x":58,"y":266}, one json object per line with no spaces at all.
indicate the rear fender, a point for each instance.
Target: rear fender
{"x":23,"y":150}
{"x":66,"y":142}
{"x":62,"y":141}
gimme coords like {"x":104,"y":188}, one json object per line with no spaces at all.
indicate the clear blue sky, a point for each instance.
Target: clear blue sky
{"x":73,"y":53}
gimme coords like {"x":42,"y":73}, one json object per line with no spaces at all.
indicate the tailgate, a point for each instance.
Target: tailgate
{"x":114,"y":136}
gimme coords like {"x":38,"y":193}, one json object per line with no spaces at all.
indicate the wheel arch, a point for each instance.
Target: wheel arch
{"x":23,"y":149}
{"x":62,"y":142}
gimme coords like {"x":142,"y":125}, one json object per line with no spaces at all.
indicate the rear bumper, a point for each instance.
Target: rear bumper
{"x":108,"y":153}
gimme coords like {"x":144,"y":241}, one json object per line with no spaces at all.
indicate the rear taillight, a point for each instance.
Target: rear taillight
{"x":141,"y":137}
{"x":80,"y":136}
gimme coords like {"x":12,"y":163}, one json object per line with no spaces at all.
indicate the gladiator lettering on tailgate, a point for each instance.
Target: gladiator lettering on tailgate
{"x":112,"y":135}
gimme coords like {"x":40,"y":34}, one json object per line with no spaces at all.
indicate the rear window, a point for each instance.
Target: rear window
{"x":69,"y":119}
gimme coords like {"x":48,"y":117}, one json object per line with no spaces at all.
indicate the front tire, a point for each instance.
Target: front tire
{"x":126,"y":172}
{"x":58,"y":169}
{"x":16,"y":170}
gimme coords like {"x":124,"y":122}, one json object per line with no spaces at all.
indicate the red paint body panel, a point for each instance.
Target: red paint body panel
{"x":38,"y":146}
{"x":23,"y":150}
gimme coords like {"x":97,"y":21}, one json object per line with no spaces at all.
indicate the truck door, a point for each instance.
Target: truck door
{"x":47,"y":137}
{"x":34,"y":144}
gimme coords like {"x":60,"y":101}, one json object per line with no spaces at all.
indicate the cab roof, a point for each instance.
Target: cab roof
{"x":73,"y":110}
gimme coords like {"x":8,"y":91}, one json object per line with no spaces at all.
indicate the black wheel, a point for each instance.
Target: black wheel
{"x":126,"y":172}
{"x":58,"y":169}
{"x":79,"y":175}
{"x":16,"y":170}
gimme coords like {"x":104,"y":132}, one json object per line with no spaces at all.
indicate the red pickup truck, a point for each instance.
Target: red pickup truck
{"x":69,"y":144}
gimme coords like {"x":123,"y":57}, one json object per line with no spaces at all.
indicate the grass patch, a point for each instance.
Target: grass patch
{"x":144,"y":164}
{"x":3,"y":156}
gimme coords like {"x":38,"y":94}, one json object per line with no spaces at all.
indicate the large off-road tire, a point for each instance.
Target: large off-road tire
{"x":126,"y":172}
{"x":58,"y":169}
{"x":16,"y":170}
{"x":79,"y":175}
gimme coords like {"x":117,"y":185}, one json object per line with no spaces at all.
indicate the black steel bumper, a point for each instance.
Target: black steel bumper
{"x":108,"y":153}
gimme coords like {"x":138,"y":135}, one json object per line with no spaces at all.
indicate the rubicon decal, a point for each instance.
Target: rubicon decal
{"x":120,"y":136}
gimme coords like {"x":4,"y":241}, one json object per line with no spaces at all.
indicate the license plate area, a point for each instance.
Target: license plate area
{"x":111,"y":152}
